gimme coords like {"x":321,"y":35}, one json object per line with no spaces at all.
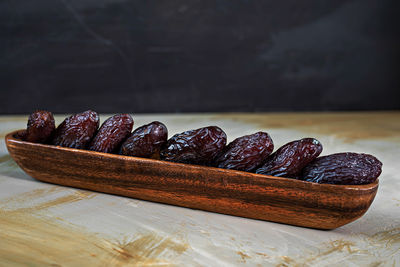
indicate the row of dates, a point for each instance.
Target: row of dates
{"x":204,"y":146}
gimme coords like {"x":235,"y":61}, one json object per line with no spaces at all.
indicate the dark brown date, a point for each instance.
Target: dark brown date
{"x":289,"y":160}
{"x":77,"y":130}
{"x":198,"y":146}
{"x":146,"y":141}
{"x":40,"y":127}
{"x":112,"y":133}
{"x":343,"y":168}
{"x":246,"y":153}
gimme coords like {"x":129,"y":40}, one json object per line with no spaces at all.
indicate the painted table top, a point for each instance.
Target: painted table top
{"x":48,"y":225}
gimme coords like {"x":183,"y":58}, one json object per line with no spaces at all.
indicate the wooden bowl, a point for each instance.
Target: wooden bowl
{"x":238,"y":193}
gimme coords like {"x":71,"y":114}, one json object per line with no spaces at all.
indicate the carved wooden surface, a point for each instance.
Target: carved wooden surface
{"x":231,"y":192}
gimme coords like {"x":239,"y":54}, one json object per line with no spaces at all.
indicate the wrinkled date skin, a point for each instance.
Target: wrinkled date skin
{"x":343,"y":168}
{"x":290,"y":159}
{"x":146,"y":141}
{"x":112,"y":133}
{"x":198,"y":146}
{"x":40,"y":127}
{"x":77,"y":130}
{"x":246,"y":153}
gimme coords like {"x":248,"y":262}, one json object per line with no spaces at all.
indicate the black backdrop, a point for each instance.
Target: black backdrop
{"x":198,"y":55}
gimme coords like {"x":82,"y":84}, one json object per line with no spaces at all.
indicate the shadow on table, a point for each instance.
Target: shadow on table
{"x":10,"y":169}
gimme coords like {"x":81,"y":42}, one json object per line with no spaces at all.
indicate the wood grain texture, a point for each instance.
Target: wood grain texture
{"x":250,"y":195}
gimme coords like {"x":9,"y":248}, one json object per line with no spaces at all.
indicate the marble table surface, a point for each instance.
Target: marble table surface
{"x":48,"y":225}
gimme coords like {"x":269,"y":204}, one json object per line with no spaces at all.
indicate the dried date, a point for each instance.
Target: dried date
{"x":290,"y":159}
{"x":112,"y":133}
{"x":77,"y":130}
{"x":146,"y":141}
{"x":343,"y":168}
{"x":246,"y":153}
{"x":198,"y":146}
{"x":40,"y":127}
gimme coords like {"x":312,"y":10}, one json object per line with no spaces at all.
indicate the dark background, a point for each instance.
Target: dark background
{"x":198,"y":55}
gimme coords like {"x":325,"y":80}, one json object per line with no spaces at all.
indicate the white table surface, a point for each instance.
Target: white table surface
{"x":48,"y":225}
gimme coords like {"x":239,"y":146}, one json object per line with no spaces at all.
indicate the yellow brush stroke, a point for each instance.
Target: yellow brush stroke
{"x":31,"y":236}
{"x":243,"y":255}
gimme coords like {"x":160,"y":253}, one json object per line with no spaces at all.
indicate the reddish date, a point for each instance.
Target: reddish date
{"x":246,"y":153}
{"x":40,"y":127}
{"x":343,"y":168}
{"x":77,"y":130}
{"x":289,"y":160}
{"x":198,"y":146}
{"x":146,"y":141}
{"x":112,"y":133}
{"x":204,"y":146}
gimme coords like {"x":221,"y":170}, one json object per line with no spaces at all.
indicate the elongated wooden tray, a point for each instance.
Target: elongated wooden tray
{"x":238,"y":193}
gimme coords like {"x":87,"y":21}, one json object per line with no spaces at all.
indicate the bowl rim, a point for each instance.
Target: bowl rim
{"x":11,"y":138}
